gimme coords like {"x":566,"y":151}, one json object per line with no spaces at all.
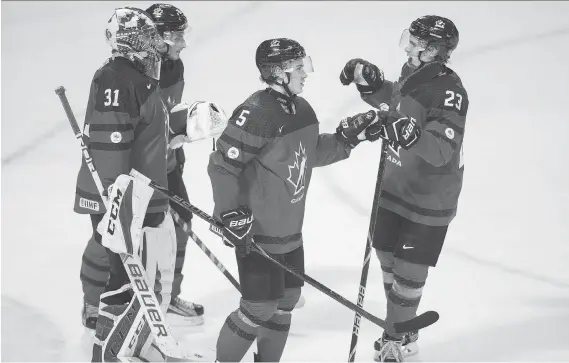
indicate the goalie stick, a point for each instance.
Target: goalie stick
{"x":416,"y":323}
{"x":368,"y":250}
{"x":155,"y":318}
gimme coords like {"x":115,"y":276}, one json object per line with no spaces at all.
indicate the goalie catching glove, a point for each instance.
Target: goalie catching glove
{"x":204,"y":120}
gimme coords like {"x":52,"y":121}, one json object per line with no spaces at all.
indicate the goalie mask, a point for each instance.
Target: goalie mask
{"x":131,"y":33}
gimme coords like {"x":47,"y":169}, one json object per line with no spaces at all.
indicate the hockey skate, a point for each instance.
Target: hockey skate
{"x":182,"y":312}
{"x":409,"y":346}
{"x":89,"y":315}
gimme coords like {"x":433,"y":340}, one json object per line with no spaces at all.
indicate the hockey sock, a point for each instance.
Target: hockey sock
{"x":95,"y":270}
{"x":272,"y":336}
{"x":181,"y":243}
{"x":235,"y":337}
{"x":405,"y":294}
{"x":387,"y":260}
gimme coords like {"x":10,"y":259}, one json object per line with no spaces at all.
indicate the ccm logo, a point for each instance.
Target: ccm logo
{"x":114,"y":212}
{"x":241,"y":222}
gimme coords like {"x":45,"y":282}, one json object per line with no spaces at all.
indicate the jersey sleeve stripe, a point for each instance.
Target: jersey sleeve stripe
{"x":443,"y":138}
{"x":111,"y":127}
{"x":87,"y":195}
{"x":105,"y":137}
{"x":445,"y":117}
{"x":110,"y":146}
{"x":240,"y":144}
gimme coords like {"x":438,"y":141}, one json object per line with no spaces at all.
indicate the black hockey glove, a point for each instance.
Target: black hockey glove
{"x":402,"y":131}
{"x":238,"y":224}
{"x":351,"y":127}
{"x":347,"y":74}
{"x":370,"y":73}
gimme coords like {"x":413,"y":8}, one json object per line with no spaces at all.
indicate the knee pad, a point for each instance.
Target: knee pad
{"x":409,"y":278}
{"x":159,"y":258}
{"x":255,"y":313}
{"x":289,"y":300}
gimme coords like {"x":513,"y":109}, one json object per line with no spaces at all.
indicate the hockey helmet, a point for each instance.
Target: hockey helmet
{"x":132,"y":34}
{"x":433,"y":30}
{"x":171,"y":22}
{"x":273,"y":57}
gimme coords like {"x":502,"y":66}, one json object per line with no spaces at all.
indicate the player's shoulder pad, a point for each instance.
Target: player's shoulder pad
{"x":253,"y":116}
{"x":450,"y":93}
{"x":120,"y":87}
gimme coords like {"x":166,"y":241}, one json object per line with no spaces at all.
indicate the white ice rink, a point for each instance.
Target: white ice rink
{"x":502,"y":283}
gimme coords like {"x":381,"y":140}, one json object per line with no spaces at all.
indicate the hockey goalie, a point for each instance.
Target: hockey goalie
{"x":131,"y":325}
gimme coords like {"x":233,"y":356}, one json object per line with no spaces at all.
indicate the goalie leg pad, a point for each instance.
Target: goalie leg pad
{"x":122,"y":331}
{"x":159,"y":259}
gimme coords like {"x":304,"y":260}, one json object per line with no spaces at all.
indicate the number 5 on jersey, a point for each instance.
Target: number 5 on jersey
{"x":242,"y":118}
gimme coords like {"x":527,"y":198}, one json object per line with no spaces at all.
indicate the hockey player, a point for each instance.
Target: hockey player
{"x":125,"y":127}
{"x":260,"y":176}
{"x":173,"y":25}
{"x":423,"y":175}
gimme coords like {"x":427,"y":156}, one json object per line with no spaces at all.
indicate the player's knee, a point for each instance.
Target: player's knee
{"x":409,"y":279}
{"x":257,"y":312}
{"x":289,"y":300}
{"x":386,"y":260}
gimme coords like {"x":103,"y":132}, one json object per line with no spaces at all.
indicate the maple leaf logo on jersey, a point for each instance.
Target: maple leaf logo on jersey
{"x":297,"y":171}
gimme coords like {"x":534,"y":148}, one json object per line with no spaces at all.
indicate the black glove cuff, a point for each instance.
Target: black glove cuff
{"x":365,"y":90}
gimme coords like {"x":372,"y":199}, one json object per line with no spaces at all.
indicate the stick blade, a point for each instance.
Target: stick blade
{"x":418,"y":322}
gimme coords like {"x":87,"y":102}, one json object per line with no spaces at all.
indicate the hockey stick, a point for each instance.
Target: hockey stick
{"x":153,"y":315}
{"x":186,"y":228}
{"x":368,"y":250}
{"x":416,"y":323}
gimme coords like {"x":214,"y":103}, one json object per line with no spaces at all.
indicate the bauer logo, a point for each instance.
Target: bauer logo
{"x":116,"y":137}
{"x":89,"y":204}
{"x":233,"y":153}
{"x":450,"y":133}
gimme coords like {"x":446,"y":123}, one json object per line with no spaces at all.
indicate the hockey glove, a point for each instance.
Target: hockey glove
{"x":347,"y":74}
{"x":351,"y":129}
{"x":238,"y":223}
{"x":400,"y":130}
{"x":367,"y":76}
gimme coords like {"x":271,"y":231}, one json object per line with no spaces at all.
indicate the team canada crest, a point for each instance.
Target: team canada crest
{"x":297,"y":173}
